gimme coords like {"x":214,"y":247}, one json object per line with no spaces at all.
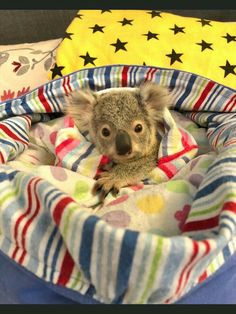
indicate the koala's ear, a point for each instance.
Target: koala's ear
{"x":156,"y":98}
{"x":79,"y":105}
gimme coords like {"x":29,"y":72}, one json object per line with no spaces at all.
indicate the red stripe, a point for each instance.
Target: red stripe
{"x":66,"y":269}
{"x":194,"y":254}
{"x":2,"y":160}
{"x":166,"y":170}
{"x":202,"y":277}
{"x":63,"y":145}
{"x":59,"y":209}
{"x":68,"y":84}
{"x":28,"y":120}
{"x":230,"y":206}
{"x":103,"y":161}
{"x":201,"y":224}
{"x":233,"y":105}
{"x":17,"y":224}
{"x":124,"y":76}
{"x":207,"y":249}
{"x":203,"y":95}
{"x":11,"y":134}
{"x":152,"y":73}
{"x":218,"y":135}
{"x":169,"y":158}
{"x":44,"y":100}
{"x":147,"y":74}
{"x":26,"y":226}
{"x":229,"y":102}
{"x":64,"y":86}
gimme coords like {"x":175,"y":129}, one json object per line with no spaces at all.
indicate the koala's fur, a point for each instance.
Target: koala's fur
{"x":120,"y":112}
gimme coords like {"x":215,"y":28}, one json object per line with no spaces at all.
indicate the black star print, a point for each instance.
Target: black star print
{"x":88,"y":59}
{"x":56,"y":70}
{"x":68,"y":35}
{"x":229,"y":38}
{"x":228,"y":68}
{"x":177,"y":29}
{"x":79,"y":16}
{"x":204,"y":22}
{"x":155,"y":13}
{"x":126,"y":22}
{"x":174,"y":57}
{"x":120,"y":45}
{"x":144,"y":63}
{"x":151,"y":35}
{"x":103,"y":11}
{"x":204,"y":45}
{"x":97,"y":28}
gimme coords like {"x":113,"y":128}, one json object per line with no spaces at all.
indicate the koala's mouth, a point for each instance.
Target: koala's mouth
{"x":129,"y":156}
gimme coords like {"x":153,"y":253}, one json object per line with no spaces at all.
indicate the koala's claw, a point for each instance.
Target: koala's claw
{"x":106,"y":183}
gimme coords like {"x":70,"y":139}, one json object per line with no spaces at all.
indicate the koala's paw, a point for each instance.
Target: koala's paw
{"x":107,"y":182}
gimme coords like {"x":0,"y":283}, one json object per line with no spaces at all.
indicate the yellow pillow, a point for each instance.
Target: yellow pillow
{"x":138,"y":37}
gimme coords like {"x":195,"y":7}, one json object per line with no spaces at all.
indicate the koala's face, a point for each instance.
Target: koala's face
{"x":122,"y":124}
{"x":121,"y":127}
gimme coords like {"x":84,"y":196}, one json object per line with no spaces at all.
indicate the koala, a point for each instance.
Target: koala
{"x":123,"y":124}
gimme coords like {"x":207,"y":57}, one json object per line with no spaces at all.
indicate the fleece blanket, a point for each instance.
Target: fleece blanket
{"x":157,"y":239}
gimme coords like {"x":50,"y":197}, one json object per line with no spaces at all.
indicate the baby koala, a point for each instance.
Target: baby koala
{"x":123,"y":124}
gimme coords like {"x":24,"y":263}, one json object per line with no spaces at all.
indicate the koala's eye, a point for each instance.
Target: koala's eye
{"x":138,"y":128}
{"x":106,"y":132}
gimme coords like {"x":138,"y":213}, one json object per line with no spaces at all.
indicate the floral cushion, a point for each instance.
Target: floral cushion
{"x":24,"y":67}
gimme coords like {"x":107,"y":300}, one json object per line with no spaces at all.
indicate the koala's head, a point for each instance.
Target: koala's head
{"x":122,"y":124}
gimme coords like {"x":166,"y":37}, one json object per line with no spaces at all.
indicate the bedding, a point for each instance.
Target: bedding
{"x":24,"y":67}
{"x":97,"y":38}
{"x":182,"y":219}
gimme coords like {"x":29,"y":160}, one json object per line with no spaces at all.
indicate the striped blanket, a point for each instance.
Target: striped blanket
{"x":156,"y":240}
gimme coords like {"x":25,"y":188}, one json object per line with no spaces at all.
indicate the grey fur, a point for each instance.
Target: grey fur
{"x":122,"y":111}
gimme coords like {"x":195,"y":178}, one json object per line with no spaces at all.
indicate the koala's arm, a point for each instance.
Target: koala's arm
{"x":121,"y":175}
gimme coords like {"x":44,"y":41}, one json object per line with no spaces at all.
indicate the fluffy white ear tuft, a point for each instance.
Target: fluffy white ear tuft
{"x":156,"y":97}
{"x":79,"y":105}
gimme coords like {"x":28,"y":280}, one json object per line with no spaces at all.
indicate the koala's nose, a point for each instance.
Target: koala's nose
{"x":123,"y":143}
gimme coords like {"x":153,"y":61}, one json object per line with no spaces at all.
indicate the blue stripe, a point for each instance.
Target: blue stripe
{"x":86,"y":154}
{"x":210,"y":188}
{"x":187,"y":91}
{"x":5,"y":142}
{"x":53,"y":96}
{"x":25,"y":105}
{"x":8,"y":176}
{"x":86,"y":245}
{"x":91,"y":79}
{"x":11,"y":125}
{"x":50,"y":99}
{"x":226,"y":252}
{"x":55,"y":257}
{"x":173,"y":79}
{"x":213,"y":97}
{"x":8,"y":109}
{"x":47,"y":250}
{"x":107,"y":77}
{"x":125,"y":263}
{"x":221,"y":162}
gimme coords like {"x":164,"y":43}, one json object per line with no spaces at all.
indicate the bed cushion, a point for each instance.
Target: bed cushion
{"x":24,"y":66}
{"x":102,"y":37}
{"x":48,"y":226}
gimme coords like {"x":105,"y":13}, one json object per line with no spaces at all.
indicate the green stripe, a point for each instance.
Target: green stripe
{"x":76,"y":280}
{"x":37,"y":103}
{"x":70,"y":211}
{"x":153,"y":271}
{"x":213,"y":208}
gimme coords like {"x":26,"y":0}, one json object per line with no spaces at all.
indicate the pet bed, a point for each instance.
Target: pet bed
{"x":182,"y":220}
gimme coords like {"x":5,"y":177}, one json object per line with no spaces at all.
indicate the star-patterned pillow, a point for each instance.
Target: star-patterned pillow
{"x":153,"y":38}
